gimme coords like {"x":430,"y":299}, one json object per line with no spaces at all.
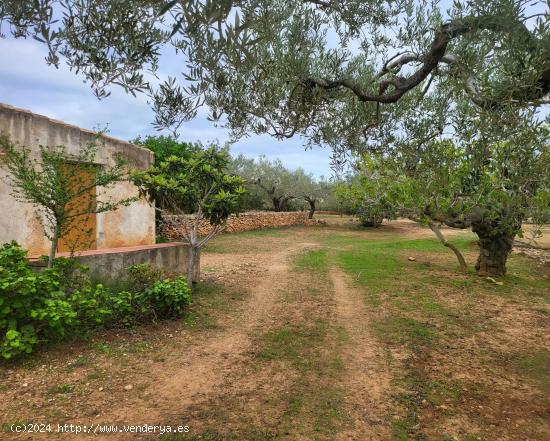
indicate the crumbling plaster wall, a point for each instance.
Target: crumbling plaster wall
{"x":127,"y":226}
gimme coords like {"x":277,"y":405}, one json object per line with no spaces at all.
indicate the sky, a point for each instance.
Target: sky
{"x":26,"y":81}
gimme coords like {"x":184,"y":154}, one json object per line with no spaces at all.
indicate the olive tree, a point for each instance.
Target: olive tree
{"x":267,"y":181}
{"x":330,"y":71}
{"x":315,"y":192}
{"x":491,"y":188}
{"x":353,"y":74}
{"x":371,"y":193}
{"x":198,"y":187}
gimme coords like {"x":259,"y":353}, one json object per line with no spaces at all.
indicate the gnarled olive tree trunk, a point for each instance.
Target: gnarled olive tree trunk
{"x":311,"y":202}
{"x":494,"y":248}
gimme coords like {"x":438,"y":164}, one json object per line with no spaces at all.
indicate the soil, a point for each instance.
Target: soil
{"x":181,"y":374}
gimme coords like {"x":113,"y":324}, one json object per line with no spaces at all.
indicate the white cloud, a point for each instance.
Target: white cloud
{"x":26,"y":81}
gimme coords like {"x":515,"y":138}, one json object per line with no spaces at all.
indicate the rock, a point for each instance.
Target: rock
{"x":100,"y":389}
{"x":128,"y":387}
{"x":25,"y":384}
{"x":412,"y":259}
{"x":496,"y":282}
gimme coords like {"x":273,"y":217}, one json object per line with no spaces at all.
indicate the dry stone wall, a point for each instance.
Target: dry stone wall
{"x":172,"y":227}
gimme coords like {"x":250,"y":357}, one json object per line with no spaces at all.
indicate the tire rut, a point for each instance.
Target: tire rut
{"x":201,"y":373}
{"x":367,"y":378}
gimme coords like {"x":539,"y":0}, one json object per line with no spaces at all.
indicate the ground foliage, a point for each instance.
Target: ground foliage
{"x":62,"y":302}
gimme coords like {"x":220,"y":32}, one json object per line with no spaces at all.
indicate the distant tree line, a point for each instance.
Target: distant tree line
{"x":269,"y":184}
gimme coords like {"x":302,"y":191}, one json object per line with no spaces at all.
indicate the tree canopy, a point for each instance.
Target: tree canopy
{"x":199,"y":186}
{"x":165,"y":146}
{"x":327,"y":70}
{"x":273,"y":186}
{"x":490,"y":187}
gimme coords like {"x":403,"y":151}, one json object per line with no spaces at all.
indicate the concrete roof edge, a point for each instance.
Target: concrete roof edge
{"x":73,"y":126}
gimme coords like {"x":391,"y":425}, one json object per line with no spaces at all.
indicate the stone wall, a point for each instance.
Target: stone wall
{"x":172,"y":227}
{"x":133,"y":225}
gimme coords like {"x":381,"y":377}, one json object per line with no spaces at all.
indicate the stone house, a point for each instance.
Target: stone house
{"x":127,"y":226}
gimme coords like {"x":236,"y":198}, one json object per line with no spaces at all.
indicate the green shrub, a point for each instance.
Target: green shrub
{"x":91,"y":303}
{"x":32,"y":306}
{"x":123,"y":308}
{"x":142,"y":276}
{"x":168,"y":297}
{"x":61,"y":301}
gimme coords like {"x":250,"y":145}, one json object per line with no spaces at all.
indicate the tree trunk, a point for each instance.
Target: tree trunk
{"x":53,"y":247}
{"x":311,"y":209}
{"x":493,"y":250}
{"x":493,"y":254}
{"x":443,"y":240}
{"x":193,"y":266}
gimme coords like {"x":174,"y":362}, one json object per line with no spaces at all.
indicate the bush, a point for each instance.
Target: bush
{"x":168,"y":298}
{"x":32,"y":306}
{"x":60,"y":301}
{"x":150,"y":295}
{"x":142,"y":276}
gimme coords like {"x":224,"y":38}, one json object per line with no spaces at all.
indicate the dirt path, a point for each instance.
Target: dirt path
{"x":367,"y":379}
{"x":203,"y":370}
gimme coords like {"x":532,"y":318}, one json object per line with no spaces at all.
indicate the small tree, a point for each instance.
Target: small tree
{"x":165,"y":146}
{"x":54,"y":180}
{"x":370,"y":194}
{"x":198,"y":186}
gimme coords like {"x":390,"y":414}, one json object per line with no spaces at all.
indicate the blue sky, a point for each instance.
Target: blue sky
{"x":27,"y":81}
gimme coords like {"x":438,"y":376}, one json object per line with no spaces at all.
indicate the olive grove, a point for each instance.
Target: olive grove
{"x":395,"y":77}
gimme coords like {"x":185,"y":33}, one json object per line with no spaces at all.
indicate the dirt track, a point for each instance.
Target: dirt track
{"x":280,"y":353}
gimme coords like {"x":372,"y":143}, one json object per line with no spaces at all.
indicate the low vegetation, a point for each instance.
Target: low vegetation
{"x":37,"y":308}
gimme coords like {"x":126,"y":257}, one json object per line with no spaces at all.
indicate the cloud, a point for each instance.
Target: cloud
{"x":27,"y":81}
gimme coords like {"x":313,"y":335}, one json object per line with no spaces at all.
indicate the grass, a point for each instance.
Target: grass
{"x":314,"y":260}
{"x":412,"y":312}
{"x":63,"y":388}
{"x":534,"y":365}
{"x":404,"y":330}
{"x":208,"y":297}
{"x":81,"y":361}
{"x":104,"y":348}
{"x":307,"y":345}
{"x":246,"y":241}
{"x":448,"y":340}
{"x":292,"y":343}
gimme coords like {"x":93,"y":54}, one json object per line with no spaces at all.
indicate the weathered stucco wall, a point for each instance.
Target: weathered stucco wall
{"x":133,"y":225}
{"x":111,"y":264}
{"x":173,"y":226}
